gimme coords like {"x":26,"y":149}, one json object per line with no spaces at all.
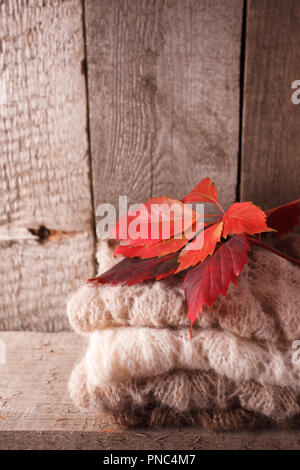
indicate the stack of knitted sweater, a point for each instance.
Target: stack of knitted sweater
{"x":241,"y":368}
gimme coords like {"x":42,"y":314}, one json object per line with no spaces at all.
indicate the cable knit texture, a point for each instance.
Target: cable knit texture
{"x":183,"y":391}
{"x":265,"y":305}
{"x":237,"y":371}
{"x":130,"y":406}
{"x":117,"y":354}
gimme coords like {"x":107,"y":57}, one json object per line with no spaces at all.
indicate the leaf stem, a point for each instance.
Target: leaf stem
{"x":203,"y":229}
{"x":209,"y":215}
{"x":220,"y":207}
{"x":274,"y":250}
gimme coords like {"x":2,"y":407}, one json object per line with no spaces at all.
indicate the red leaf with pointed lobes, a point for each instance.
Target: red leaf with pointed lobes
{"x":244,"y":217}
{"x":189,"y":256}
{"x":205,"y":191}
{"x":134,"y":270}
{"x":160,"y":248}
{"x":154,"y":219}
{"x":207,"y":280}
{"x":284,"y":218}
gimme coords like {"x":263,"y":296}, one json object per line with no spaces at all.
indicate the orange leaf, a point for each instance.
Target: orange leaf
{"x":205,"y":191}
{"x":244,"y":217}
{"x":190,"y":255}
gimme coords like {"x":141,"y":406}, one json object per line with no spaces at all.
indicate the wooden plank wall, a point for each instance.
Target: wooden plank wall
{"x":175,"y":91}
{"x":163,"y":80}
{"x":270,"y":171}
{"x":44,"y":163}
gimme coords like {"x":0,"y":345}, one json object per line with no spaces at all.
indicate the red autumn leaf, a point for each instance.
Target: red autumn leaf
{"x":190,"y":255}
{"x":159,"y":218}
{"x":284,"y":218}
{"x":244,"y":217}
{"x":134,"y":270}
{"x":161,"y":248}
{"x":205,"y":191}
{"x":207,"y":280}
{"x":215,"y":264}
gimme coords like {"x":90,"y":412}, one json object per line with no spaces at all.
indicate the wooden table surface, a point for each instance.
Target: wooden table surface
{"x":36,"y":411}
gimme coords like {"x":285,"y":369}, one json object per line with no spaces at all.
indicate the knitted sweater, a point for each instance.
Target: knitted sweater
{"x":182,"y":391}
{"x":142,"y":367}
{"x":132,"y":404}
{"x":117,"y":354}
{"x":264,"y":306}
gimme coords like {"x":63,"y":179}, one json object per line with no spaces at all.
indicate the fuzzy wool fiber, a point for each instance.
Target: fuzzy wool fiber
{"x":237,"y":371}
{"x":135,"y":404}
{"x":265,"y":305}
{"x":182,"y":391}
{"x":117,"y":354}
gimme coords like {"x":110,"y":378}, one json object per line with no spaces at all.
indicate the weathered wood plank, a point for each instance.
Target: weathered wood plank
{"x":163,"y":96}
{"x":197,"y":99}
{"x":36,"y":411}
{"x":37,"y":280}
{"x":270,"y":152}
{"x":44,"y":161}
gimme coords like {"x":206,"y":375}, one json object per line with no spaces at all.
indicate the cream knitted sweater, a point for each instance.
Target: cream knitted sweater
{"x":118,"y":354}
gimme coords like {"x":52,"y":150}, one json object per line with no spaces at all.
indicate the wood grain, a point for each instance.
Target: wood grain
{"x":36,"y":411}
{"x":37,"y":280}
{"x":270,"y":153}
{"x":163,"y":80}
{"x":44,"y":161}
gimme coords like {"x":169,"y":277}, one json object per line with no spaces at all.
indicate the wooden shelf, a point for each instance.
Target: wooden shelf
{"x":36,"y":411}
